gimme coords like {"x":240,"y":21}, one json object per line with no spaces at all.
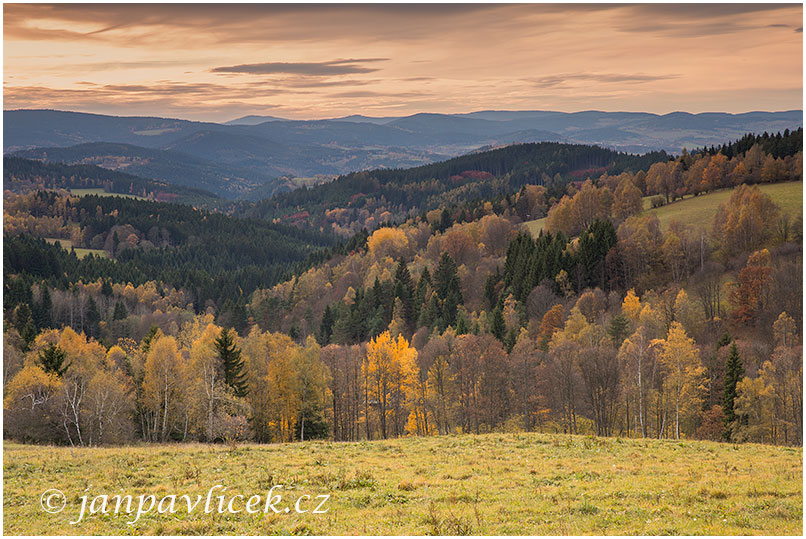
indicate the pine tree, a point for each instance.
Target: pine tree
{"x":421,"y":294}
{"x":511,"y":339}
{"x":448,"y":289}
{"x":106,"y":289}
{"x":41,"y":310}
{"x":461,"y":324}
{"x":326,"y":327}
{"x":498,"y":326}
{"x":404,"y":289}
{"x":230,"y":356}
{"x":618,"y":329}
{"x":147,"y":340}
{"x":734,"y":372}
{"x":24,"y":322}
{"x":120,"y":311}
{"x":489,"y":289}
{"x":93,"y":317}
{"x":52,"y":360}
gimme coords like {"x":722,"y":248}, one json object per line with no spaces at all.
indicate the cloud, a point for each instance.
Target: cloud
{"x":553,"y":81}
{"x":321,"y":60}
{"x":370,"y":93}
{"x":317,"y":69}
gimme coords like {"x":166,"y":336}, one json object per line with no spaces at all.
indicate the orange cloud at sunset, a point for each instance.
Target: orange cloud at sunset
{"x":216,"y":62}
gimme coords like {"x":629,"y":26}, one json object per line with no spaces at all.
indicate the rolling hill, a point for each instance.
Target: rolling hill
{"x":255,"y":151}
{"x":22,"y":175}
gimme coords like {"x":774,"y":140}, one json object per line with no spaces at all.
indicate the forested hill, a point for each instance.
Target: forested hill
{"x":393,"y":194}
{"x":24,"y":175}
{"x":775,"y":144}
{"x":214,"y":258}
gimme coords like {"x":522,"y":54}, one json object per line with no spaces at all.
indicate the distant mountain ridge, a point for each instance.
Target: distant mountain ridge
{"x":235,"y":157}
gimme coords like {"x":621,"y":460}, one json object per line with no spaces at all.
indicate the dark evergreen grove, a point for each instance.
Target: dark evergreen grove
{"x":211,"y":255}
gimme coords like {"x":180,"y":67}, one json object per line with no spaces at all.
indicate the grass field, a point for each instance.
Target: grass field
{"x":100,"y":192}
{"x":456,"y":485}
{"x":699,"y":211}
{"x":80,"y":251}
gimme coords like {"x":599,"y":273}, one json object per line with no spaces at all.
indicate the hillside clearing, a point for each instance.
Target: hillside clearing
{"x":80,"y":251}
{"x":101,"y":193}
{"x":471,"y":484}
{"x":699,"y":211}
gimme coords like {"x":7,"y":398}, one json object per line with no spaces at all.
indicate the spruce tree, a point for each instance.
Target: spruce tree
{"x":147,"y":340}
{"x":326,"y":327}
{"x":120,"y":311}
{"x":52,"y":360}
{"x":41,"y":310}
{"x":448,"y":289}
{"x":489,"y":289}
{"x":734,"y":371}
{"x":498,"y":327}
{"x":404,"y":289}
{"x":618,"y":328}
{"x":93,"y":317}
{"x":461,"y":324}
{"x":230,"y":356}
{"x":510,"y":340}
{"x":421,"y":294}
{"x":24,"y":322}
{"x":106,"y":289}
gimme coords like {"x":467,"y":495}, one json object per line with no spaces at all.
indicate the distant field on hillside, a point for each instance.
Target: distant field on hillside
{"x":100,"y":192}
{"x":699,"y":211}
{"x":80,"y":251}
{"x":529,"y":484}
{"x":534,"y":227}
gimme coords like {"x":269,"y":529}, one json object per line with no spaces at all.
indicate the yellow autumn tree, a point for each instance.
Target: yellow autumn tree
{"x":631,"y":306}
{"x":635,"y":355}
{"x":30,"y":410}
{"x":268,"y":364}
{"x":755,"y":409}
{"x":390,"y":369}
{"x":685,"y":373}
{"x":165,"y":391}
{"x":391,"y":242}
{"x":208,"y":392}
{"x":626,"y":200}
{"x":687,"y":312}
{"x":311,"y":385}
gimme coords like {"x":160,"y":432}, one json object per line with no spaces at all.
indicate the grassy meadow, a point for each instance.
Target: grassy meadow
{"x":699,"y":211}
{"x":101,"y":193}
{"x":80,"y":251}
{"x":531,"y":484}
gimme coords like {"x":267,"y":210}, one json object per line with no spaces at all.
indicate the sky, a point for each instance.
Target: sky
{"x":218,"y":62}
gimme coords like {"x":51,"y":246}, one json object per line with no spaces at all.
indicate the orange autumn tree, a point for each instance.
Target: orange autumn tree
{"x":390,"y":370}
{"x":746,"y":220}
{"x":747,"y":293}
